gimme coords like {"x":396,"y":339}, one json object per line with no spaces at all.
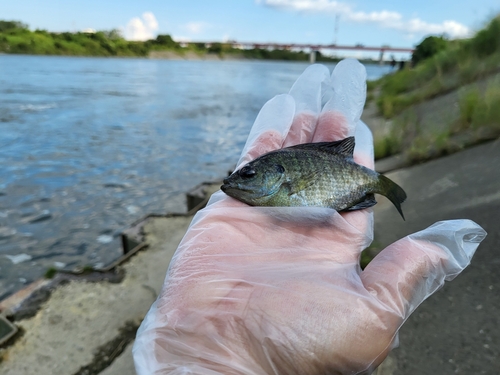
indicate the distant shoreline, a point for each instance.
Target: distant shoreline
{"x":190,"y":56}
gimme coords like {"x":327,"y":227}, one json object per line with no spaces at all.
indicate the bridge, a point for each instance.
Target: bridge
{"x":313,"y":48}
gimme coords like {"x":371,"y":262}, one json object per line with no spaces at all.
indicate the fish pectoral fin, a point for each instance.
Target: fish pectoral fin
{"x":302,"y":183}
{"x":368,"y":201}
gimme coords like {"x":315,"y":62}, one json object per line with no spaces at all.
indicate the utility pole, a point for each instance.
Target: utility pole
{"x":336,"y":30}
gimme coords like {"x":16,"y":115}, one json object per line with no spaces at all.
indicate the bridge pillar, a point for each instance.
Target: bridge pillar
{"x":381,"y":57}
{"x":312,"y":56}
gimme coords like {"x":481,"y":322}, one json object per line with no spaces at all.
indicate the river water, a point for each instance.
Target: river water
{"x":90,"y":145}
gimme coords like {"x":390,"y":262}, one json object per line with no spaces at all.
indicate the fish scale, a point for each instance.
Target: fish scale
{"x":339,"y":180}
{"x":320,"y":174}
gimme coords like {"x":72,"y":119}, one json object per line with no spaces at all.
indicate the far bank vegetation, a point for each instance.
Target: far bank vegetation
{"x":17,"y":38}
{"x":447,"y":99}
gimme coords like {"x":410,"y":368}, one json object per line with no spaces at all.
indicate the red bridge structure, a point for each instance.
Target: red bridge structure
{"x":313,"y":48}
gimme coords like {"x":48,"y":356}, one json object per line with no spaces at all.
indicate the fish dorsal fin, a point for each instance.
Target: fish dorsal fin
{"x":344,"y":147}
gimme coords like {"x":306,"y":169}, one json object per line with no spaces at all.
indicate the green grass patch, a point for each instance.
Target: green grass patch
{"x":50,"y":273}
{"x":480,"y":110}
{"x":430,"y":146}
{"x":459,"y":63}
{"x":386,"y":146}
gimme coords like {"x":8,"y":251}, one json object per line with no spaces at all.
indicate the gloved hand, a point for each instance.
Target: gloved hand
{"x":262,"y":290}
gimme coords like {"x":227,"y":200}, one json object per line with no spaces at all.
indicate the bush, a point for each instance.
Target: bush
{"x":487,"y":40}
{"x":166,"y":41}
{"x":468,"y":102}
{"x":10,"y":25}
{"x":428,"y":48}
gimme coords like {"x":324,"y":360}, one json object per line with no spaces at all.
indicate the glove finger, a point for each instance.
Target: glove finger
{"x":407,"y":272}
{"x":270,"y":128}
{"x":307,"y":89}
{"x":363,"y":151}
{"x":307,"y":92}
{"x":302,"y":129}
{"x":348,"y":99}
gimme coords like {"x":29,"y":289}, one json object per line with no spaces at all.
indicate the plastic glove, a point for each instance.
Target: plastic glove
{"x":259,"y":290}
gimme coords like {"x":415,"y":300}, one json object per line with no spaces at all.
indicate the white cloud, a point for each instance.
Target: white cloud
{"x":141,"y":28}
{"x":377,"y":17}
{"x":307,"y":5}
{"x":383,"y":18}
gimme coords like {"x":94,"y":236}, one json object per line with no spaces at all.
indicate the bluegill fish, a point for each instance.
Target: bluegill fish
{"x":312,"y":174}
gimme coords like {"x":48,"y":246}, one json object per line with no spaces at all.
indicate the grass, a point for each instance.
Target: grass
{"x":462,"y":62}
{"x":402,"y":130}
{"x":478,"y":120}
{"x":369,"y":254}
{"x":50,"y":273}
{"x":479,"y":110}
{"x":474,"y":117}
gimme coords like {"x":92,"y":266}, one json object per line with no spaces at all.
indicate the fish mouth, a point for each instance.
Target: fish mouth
{"x":228,"y":186}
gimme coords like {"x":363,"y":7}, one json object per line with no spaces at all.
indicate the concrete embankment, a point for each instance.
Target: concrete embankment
{"x":81,"y":324}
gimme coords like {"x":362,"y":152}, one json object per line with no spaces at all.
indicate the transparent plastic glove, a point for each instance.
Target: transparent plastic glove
{"x":256,"y":290}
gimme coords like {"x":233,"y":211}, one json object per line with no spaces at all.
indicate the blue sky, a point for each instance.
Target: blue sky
{"x":385,"y":22}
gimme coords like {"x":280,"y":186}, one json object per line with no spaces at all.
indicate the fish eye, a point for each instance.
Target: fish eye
{"x":280,"y":169}
{"x":247,"y":171}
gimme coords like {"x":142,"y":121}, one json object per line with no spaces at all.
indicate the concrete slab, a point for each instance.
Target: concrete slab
{"x":456,"y":330}
{"x":123,"y":365}
{"x":81,"y":320}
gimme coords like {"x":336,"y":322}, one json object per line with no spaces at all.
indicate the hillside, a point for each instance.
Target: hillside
{"x":448,"y":100}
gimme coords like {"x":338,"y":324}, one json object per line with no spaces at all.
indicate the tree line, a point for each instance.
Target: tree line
{"x":17,"y":38}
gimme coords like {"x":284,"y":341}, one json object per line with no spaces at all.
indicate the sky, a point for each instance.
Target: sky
{"x":370,"y":23}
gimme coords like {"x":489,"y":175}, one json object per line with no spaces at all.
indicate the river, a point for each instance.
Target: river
{"x":90,"y":145}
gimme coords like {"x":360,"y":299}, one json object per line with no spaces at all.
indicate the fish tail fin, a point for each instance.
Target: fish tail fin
{"x":393,"y":191}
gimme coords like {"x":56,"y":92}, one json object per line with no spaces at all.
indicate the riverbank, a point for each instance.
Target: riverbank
{"x":87,"y":320}
{"x":436,"y":127}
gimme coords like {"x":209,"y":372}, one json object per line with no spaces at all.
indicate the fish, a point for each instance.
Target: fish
{"x":322,"y":174}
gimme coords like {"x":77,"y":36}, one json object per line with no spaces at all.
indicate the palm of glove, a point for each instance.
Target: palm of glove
{"x":255,"y":290}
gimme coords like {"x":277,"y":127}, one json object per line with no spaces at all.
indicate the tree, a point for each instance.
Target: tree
{"x":487,"y":40}
{"x":9,"y":25}
{"x":113,"y":34}
{"x":166,"y":41}
{"x":428,"y":48}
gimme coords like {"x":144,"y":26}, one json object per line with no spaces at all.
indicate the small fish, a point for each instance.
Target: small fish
{"x":320,"y":174}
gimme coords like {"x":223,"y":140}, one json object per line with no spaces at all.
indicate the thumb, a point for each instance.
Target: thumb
{"x":404,"y":274}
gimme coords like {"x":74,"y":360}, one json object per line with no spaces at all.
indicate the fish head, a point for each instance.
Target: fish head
{"x":256,"y":182}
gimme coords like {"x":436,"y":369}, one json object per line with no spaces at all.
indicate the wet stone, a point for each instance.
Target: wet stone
{"x":45,"y":215}
{"x":6,"y":232}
